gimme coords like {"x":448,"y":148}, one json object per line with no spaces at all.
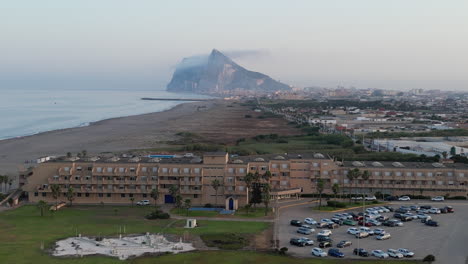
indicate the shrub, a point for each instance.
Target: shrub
{"x":157,"y":214}
{"x":208,"y":205}
{"x":227,"y":241}
{"x":336,"y":204}
{"x":283,"y":250}
{"x":248,"y":116}
{"x":375,"y":202}
{"x":429,"y":258}
{"x":457,"y":198}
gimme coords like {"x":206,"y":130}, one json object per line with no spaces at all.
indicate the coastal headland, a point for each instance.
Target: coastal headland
{"x":217,"y":121}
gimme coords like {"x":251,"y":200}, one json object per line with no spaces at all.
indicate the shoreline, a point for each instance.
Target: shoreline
{"x":88,"y":124}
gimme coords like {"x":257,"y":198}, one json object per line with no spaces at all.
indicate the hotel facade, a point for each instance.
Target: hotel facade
{"x":117,"y":180}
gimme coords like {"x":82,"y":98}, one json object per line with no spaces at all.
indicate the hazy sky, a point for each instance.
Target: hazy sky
{"x":367,"y":43}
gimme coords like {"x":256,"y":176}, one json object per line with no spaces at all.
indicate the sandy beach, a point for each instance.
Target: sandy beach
{"x":217,"y":121}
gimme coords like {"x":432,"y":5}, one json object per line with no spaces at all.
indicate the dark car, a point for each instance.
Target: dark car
{"x":297,"y":242}
{"x":402,"y":211}
{"x":391,"y":198}
{"x":360,"y":252}
{"x":337,"y":221}
{"x":449,"y":209}
{"x":334,"y":252}
{"x":443,"y":210}
{"x":344,"y":243}
{"x":324,"y":238}
{"x":397,"y":215}
{"x":362,"y":223}
{"x":296,"y":223}
{"x":432,"y":223}
{"x":389,"y":208}
{"x":325,"y":244}
{"x":414,"y":207}
{"x":426,"y":207}
{"x":389,"y":223}
{"x":382,"y":218}
{"x":333,"y":225}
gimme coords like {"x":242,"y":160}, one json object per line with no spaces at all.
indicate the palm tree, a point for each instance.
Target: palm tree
{"x":132,"y":199}
{"x":335,"y":190}
{"x":55,"y":188}
{"x":1,"y":181}
{"x":266,"y":197}
{"x":41,"y":205}
{"x":365,"y":175}
{"x":320,"y":186}
{"x":70,"y":195}
{"x":352,"y":176}
{"x":187,"y":205}
{"x":248,"y":179}
{"x":155,"y":195}
{"x":267,"y":175}
{"x":178,"y":201}
{"x":69,"y":155}
{"x":174,"y":191}
{"x":84,"y":153}
{"x":216,"y":184}
{"x":10,"y":182}
{"x":6,"y":179}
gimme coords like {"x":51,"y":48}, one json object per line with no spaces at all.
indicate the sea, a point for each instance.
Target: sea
{"x":26,"y":112}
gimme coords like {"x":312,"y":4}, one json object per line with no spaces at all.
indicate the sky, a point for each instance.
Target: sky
{"x":397,"y":44}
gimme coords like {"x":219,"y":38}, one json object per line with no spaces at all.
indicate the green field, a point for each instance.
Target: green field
{"x":23,"y":230}
{"x":241,"y":213}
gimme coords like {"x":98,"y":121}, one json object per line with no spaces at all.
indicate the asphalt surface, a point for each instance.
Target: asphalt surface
{"x":447,"y":242}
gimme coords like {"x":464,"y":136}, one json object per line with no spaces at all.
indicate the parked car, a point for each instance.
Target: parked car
{"x":383,"y":236}
{"x":334,"y":252}
{"x":366,"y":229}
{"x":296,"y":223}
{"x":297,"y":242}
{"x":304,"y":231}
{"x":326,"y":220}
{"x":352,"y":230}
{"x":449,"y":209}
{"x":404,"y":198}
{"x":310,"y":221}
{"x":391,"y":198}
{"x":307,"y":241}
{"x":389,"y":208}
{"x":319,"y":252}
{"x":324,"y":239}
{"x":378,"y":231}
{"x":362,"y":223}
{"x":333,"y":225}
{"x":426,"y":207}
{"x":443,"y":210}
{"x":375,"y":222}
{"x":431,"y":223}
{"x":349,"y":222}
{"x":382,"y":218}
{"x":360,"y":252}
{"x":325,"y":232}
{"x":406,"y":252}
{"x":143,"y":202}
{"x":401,"y":211}
{"x":384,"y":209}
{"x":370,"y":198}
{"x":414,"y":207}
{"x":411,"y":216}
{"x":361,"y":234}
{"x":434,"y":211}
{"x":347,"y":215}
{"x":337,"y":220}
{"x":392,"y":223}
{"x":438,"y":199}
{"x":379,"y":253}
{"x":393,"y":253}
{"x":308,"y":227}
{"x":321,"y":225}
{"x":344,"y":243}
{"x":325,"y":244}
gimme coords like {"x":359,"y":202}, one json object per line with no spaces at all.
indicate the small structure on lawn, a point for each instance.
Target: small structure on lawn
{"x":191,"y":223}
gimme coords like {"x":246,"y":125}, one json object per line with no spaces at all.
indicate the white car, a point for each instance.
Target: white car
{"x":361,"y":234}
{"x":379,"y":253}
{"x":434,"y":211}
{"x":394,"y":253}
{"x":348,"y":216}
{"x":366,"y":229}
{"x":310,"y":221}
{"x":406,"y":252}
{"x":383,"y":236}
{"x":307,"y":241}
{"x":326,"y":220}
{"x":143,"y":202}
{"x":378,"y":231}
{"x":352,"y":230}
{"x":385,"y":210}
{"x":423,"y":216}
{"x":318,"y":252}
{"x":370,"y":198}
{"x":404,"y":198}
{"x":438,"y":199}
{"x":325,"y":232}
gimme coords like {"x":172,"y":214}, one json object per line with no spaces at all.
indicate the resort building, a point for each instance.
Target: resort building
{"x":118,"y":180}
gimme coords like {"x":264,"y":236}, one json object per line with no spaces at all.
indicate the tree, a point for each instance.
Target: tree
{"x":174,"y":192}
{"x":70,"y":195}
{"x":267,"y":176}
{"x":444,"y":154}
{"x":42,"y":205}
{"x":248,"y":179}
{"x":320,"y":186}
{"x":335,"y":190}
{"x":187,"y":205}
{"x":256,"y":194}
{"x":55,"y":189}
{"x":132,"y":199}
{"x":352,"y":175}
{"x":429,"y":258}
{"x":6,"y":179}
{"x":453,"y":151}
{"x":178,"y":201}
{"x":10,"y":182}
{"x":155,"y":195}
{"x":266,"y":197}
{"x":1,"y":182}
{"x":84,"y":153}
{"x":216,"y":184}
{"x":69,"y":155}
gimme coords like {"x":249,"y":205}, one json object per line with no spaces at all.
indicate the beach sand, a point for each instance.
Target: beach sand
{"x":216,"y":121}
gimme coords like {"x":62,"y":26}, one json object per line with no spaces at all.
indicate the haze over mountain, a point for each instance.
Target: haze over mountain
{"x":218,"y":74}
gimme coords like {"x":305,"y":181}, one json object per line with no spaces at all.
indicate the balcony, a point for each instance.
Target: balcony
{"x":182,"y":191}
{"x":191,"y":183}
{"x":170,"y":182}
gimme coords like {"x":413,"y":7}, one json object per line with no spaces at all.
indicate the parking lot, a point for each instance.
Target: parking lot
{"x":447,"y":242}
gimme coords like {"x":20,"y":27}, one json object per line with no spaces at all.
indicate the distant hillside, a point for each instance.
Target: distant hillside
{"x":218,"y":74}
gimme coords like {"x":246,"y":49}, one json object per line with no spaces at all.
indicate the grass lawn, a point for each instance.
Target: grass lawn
{"x":253,"y":213}
{"x":183,"y":212}
{"x":240,"y":213}
{"x":23,"y":230}
{"x":236,"y":257}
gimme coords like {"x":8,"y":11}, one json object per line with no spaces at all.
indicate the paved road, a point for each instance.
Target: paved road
{"x":448,"y":242}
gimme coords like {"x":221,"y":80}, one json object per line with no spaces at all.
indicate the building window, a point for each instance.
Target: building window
{"x":99,"y":169}
{"x":109,"y":195}
{"x":186,"y":170}
{"x":241,"y":170}
{"x":196,"y":170}
{"x":377,"y":173}
{"x":90,"y":168}
{"x":195,"y":196}
{"x":253,"y":168}
{"x":398,"y":173}
{"x":145,"y":195}
{"x":155,"y":169}
{"x":78,"y":168}
{"x":100,"y":194}
{"x":130,"y":195}
{"x":122,"y":195}
{"x":274,"y":165}
{"x":241,"y":188}
{"x":78,"y":194}
{"x":66,"y":169}
{"x":231,"y":170}
{"x":325,"y":172}
{"x":77,"y":178}
{"x":283,"y":183}
{"x":284,"y":166}
{"x":263,"y":168}
{"x":461,"y":174}
{"x":419,"y":174}
{"x":121,"y":170}
{"x":109,"y":169}
{"x":164,"y":170}
{"x":430,"y":174}
{"x":87,"y":194}
{"x":449,"y":174}
{"x":132,"y":169}
{"x":36,"y":194}
{"x":409,"y":174}
{"x":44,"y":194}
{"x":230,"y":179}
{"x":144,"y":169}
{"x":315,"y":164}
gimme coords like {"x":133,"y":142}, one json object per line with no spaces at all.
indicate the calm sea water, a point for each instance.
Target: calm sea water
{"x":30,"y":111}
